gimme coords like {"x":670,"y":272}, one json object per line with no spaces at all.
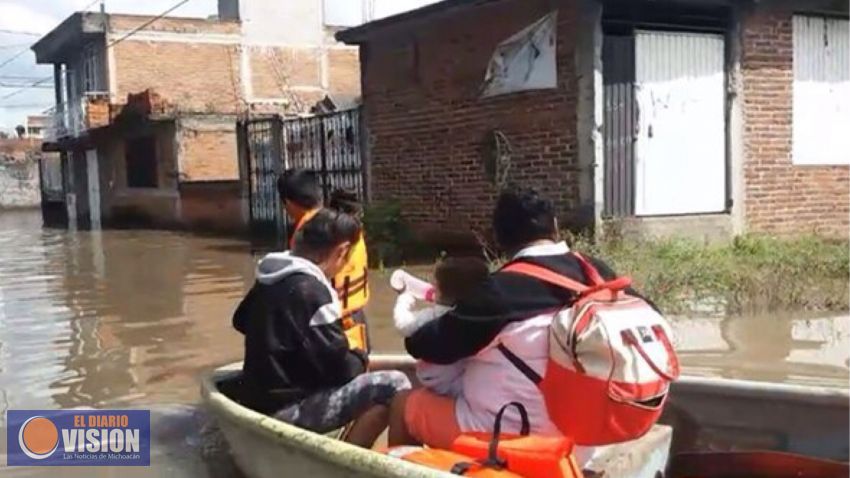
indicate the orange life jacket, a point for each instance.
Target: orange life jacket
{"x":482,"y":455}
{"x":448,"y":461}
{"x":352,"y":287}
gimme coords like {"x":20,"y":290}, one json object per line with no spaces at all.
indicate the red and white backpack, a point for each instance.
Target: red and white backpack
{"x":610,"y":363}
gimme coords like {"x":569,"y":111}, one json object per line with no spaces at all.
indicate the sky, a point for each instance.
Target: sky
{"x":37,"y":17}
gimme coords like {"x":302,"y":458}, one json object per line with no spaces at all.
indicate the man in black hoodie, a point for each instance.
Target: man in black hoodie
{"x":298,"y":363}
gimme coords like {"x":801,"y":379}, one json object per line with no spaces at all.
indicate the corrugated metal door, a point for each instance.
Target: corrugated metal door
{"x":619,"y":127}
{"x":681,"y":146}
{"x":821,"y":90}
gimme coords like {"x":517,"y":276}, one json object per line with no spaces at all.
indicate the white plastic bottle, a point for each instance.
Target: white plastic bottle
{"x":402,"y":281}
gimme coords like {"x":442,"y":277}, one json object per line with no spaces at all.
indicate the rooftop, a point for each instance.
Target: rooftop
{"x":360,"y":34}
{"x":80,"y":27}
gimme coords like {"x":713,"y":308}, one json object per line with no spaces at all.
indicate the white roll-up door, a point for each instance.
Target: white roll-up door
{"x":680,"y":162}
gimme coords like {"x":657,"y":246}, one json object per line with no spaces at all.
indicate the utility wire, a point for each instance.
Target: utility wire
{"x":14,"y":57}
{"x":26,"y":105}
{"x":147,"y":23}
{"x":21,"y":32}
{"x":27,"y":87}
{"x":12,"y":85}
{"x":40,"y":81}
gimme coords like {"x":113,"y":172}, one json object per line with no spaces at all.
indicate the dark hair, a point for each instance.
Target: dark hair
{"x":522,"y":216}
{"x":301,"y":187}
{"x":323,"y":232}
{"x":345,"y":200}
{"x":458,"y":277}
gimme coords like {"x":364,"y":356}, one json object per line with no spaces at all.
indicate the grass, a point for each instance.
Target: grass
{"x":751,"y":274}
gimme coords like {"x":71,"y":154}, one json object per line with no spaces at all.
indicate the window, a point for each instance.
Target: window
{"x":140,"y":156}
{"x":821,"y":91}
{"x":92,"y":68}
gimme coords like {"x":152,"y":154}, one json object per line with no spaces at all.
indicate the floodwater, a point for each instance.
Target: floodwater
{"x":133,"y":318}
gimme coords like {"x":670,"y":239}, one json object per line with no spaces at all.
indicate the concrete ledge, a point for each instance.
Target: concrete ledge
{"x":645,"y":457}
{"x":707,"y":227}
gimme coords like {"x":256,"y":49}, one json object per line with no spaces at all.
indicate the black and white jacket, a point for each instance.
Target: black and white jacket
{"x":294,"y":339}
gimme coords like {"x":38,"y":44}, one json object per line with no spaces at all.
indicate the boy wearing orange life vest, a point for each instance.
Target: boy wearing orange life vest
{"x":512,"y":311}
{"x":301,"y":195}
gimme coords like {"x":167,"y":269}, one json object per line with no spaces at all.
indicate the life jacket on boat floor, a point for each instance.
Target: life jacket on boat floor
{"x":482,"y":455}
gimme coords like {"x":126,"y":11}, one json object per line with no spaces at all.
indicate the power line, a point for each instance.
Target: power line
{"x":27,"y":87}
{"x":14,"y":45}
{"x":11,"y":85}
{"x":40,"y":81}
{"x":26,"y":105}
{"x":19,"y":77}
{"x":14,"y":57}
{"x":147,"y":23}
{"x":91,"y":4}
{"x":20,"y":32}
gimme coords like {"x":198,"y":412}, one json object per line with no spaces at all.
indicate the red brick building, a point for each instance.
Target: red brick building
{"x":147,"y":109}
{"x":672,"y":117}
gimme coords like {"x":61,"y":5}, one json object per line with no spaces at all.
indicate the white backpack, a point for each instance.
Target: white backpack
{"x":611,"y":360}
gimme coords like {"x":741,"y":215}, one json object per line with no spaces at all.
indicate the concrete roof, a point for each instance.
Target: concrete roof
{"x":362,"y":33}
{"x":53,"y":47}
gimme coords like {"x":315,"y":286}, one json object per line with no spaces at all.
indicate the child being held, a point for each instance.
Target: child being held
{"x":456,"y":279}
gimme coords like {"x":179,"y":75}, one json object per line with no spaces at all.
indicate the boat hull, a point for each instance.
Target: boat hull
{"x":707,"y":413}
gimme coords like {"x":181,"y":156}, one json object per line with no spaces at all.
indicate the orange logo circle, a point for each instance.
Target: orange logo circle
{"x":38,"y":437}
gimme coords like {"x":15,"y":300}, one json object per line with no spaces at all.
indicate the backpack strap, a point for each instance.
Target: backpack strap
{"x":552,"y":277}
{"x":546,"y":275}
{"x":593,"y":275}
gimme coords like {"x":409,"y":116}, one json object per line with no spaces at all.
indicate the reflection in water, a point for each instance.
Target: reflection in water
{"x":128,"y":317}
{"x":107,"y":319}
{"x":114,"y":318}
{"x":775,"y":348}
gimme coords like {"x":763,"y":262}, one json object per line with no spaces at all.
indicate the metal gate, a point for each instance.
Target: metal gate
{"x":259,"y":141}
{"x":620,"y":125}
{"x":329,"y":145}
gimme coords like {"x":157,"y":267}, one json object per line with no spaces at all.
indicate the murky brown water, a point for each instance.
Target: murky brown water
{"x":132,"y":318}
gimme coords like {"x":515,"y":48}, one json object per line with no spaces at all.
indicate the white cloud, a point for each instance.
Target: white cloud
{"x":21,"y":17}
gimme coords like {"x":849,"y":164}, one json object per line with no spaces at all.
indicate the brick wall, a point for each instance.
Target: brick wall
{"x":344,"y":72}
{"x":207,"y":150}
{"x":212,"y":206}
{"x":195,"y":77}
{"x":124,"y":23}
{"x":782,"y":198}
{"x":303,"y":75}
{"x":427,"y":124}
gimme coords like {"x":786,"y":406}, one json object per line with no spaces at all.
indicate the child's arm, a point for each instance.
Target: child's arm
{"x":408,"y":321}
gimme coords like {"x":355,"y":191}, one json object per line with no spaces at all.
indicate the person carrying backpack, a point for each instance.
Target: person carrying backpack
{"x":512,"y":311}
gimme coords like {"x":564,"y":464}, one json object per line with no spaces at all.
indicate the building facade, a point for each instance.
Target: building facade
{"x":146,"y":107}
{"x":703,"y":118}
{"x":34,"y":126}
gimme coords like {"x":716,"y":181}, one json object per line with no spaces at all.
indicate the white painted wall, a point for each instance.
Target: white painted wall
{"x":275,"y":22}
{"x":302,"y":22}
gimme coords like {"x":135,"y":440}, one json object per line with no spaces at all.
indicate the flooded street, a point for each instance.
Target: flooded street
{"x":119,"y":318}
{"x":132,"y":318}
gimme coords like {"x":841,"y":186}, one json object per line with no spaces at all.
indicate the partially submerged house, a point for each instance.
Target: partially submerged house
{"x":705,"y":117}
{"x":146,"y":107}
